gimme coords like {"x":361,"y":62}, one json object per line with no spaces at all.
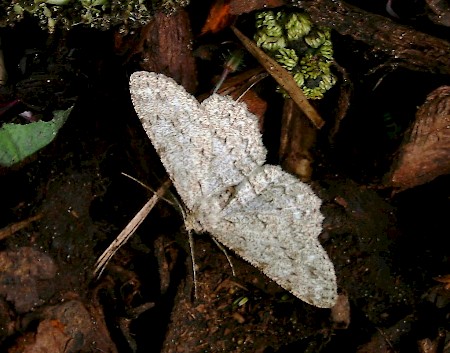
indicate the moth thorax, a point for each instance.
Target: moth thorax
{"x":192,"y":223}
{"x":205,"y":214}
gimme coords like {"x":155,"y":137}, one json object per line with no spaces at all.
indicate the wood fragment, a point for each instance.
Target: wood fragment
{"x":342,"y":104}
{"x":15,"y":227}
{"x":239,"y":7}
{"x":167,"y":48}
{"x":297,"y":138}
{"x":440,"y":12}
{"x":414,"y":50}
{"x":283,"y":78}
{"x":242,"y":81}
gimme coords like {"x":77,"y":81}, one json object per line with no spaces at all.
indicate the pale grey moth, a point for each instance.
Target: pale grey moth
{"x":214,"y":155}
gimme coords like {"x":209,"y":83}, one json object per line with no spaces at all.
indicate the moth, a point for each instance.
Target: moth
{"x":214,"y":155}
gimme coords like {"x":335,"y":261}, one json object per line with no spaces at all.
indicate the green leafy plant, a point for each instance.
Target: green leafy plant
{"x":300,"y":47}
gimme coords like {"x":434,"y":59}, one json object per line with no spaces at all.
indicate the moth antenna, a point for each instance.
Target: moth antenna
{"x":246,"y":90}
{"x":175,"y":204}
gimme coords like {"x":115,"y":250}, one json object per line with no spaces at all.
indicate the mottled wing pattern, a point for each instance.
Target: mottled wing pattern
{"x":237,"y":144}
{"x":214,"y":155}
{"x":272,"y":220}
{"x":175,"y":123}
{"x":203,"y":148}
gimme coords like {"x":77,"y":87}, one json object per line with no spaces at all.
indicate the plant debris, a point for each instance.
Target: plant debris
{"x":425,"y":150}
{"x":379,"y":164}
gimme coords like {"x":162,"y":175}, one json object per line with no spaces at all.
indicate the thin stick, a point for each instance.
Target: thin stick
{"x":15,"y":227}
{"x":129,"y":230}
{"x":283,"y":77}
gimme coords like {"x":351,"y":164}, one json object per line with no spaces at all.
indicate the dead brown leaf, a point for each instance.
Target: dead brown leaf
{"x":219,"y":17}
{"x":425,"y":150}
{"x":67,"y":327}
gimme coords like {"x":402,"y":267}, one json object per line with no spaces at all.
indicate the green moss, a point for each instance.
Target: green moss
{"x":300,"y":47}
{"x":100,"y":14}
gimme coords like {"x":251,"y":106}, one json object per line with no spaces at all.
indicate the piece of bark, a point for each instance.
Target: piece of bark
{"x":440,"y":12}
{"x":425,"y":150}
{"x":238,"y":7}
{"x":343,"y":101}
{"x":388,"y":340}
{"x":167,"y":48}
{"x":298,"y":136}
{"x":412,"y":49}
{"x":15,"y":227}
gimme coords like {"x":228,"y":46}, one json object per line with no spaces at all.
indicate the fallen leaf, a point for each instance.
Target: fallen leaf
{"x":425,"y":150}
{"x":24,"y":271}
{"x":219,"y":17}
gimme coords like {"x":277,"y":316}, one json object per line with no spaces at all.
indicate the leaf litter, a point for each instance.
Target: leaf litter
{"x":387,"y":251}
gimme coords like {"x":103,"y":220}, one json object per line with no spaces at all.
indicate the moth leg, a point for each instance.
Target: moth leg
{"x":226,"y":255}
{"x":194,"y":271}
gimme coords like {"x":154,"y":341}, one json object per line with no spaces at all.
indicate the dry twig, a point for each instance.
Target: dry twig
{"x":15,"y":227}
{"x":130,"y":228}
{"x":283,"y":77}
